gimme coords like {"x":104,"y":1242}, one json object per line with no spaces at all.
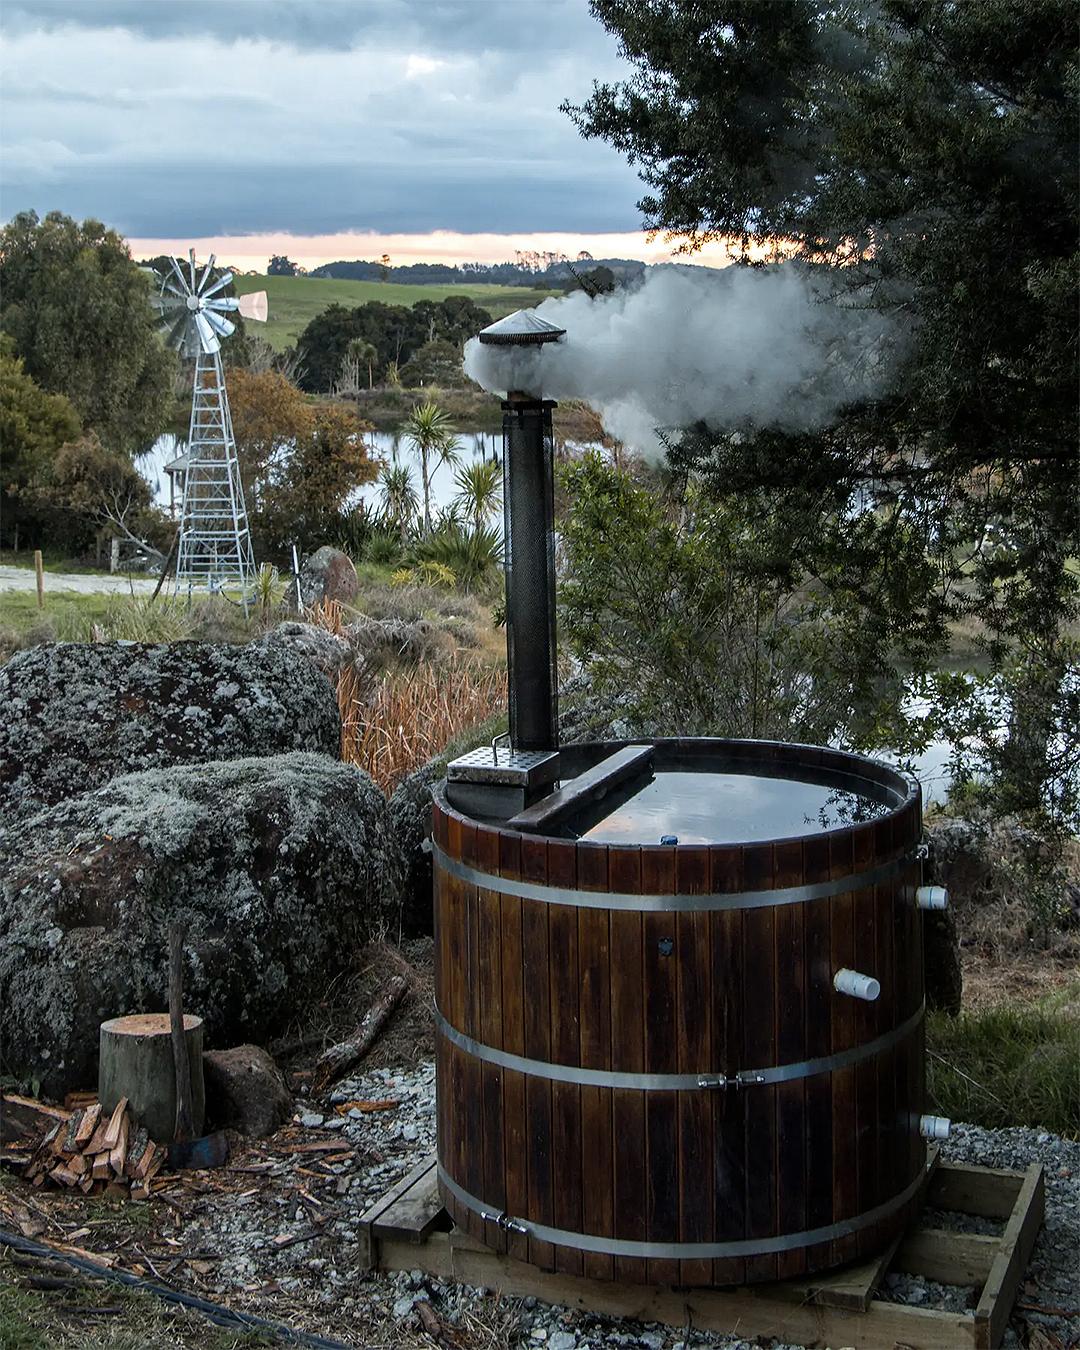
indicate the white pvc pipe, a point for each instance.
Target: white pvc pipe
{"x":858,"y":986}
{"x":932,"y":897}
{"x":934,"y":1127}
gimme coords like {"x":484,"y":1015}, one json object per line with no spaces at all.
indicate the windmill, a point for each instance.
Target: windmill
{"x":214,"y":543}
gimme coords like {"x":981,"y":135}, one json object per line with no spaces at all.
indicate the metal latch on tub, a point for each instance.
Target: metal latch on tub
{"x":742,"y":1079}
{"x":504,"y":1221}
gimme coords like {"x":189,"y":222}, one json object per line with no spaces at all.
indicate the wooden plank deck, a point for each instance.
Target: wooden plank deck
{"x":408,"y":1230}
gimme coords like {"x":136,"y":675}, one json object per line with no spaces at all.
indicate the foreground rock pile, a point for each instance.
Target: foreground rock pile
{"x":193,"y":782}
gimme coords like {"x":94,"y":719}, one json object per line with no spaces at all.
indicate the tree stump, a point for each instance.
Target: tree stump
{"x":136,"y":1062}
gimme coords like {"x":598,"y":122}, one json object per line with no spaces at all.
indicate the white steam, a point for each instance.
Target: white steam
{"x":736,"y":347}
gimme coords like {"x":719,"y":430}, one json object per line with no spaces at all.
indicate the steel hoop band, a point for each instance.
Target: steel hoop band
{"x":675,"y":1082}
{"x":558,"y":895}
{"x":685,"y":1251}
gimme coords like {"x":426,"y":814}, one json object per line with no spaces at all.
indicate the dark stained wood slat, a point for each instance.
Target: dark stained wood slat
{"x":660,"y":965}
{"x":694,"y":1030}
{"x":866,"y":1029}
{"x":842,"y":937}
{"x":819,"y":994}
{"x":537,"y":995}
{"x":729,"y":1121}
{"x":567,"y":1177}
{"x":597,"y":1136}
{"x":759,"y":1049}
{"x":491,"y":1032}
{"x":791,"y":1046}
{"x":515,"y":1124}
{"x":628,"y":1054}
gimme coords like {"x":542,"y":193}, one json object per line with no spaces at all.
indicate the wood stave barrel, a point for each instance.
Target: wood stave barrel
{"x":747,"y":1165}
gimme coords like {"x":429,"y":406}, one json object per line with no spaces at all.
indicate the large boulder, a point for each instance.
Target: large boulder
{"x":75,"y":714}
{"x":325,"y":650}
{"x":245,"y":1089}
{"x":410,"y":820}
{"x":328,"y":575}
{"x":281,"y":867}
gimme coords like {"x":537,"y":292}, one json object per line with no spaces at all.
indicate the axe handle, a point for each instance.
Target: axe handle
{"x":181,"y":1065}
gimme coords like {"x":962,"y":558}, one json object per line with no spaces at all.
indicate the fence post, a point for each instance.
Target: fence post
{"x":39,"y":570}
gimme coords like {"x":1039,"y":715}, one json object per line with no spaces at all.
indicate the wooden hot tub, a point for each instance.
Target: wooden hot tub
{"x":645,"y":1072}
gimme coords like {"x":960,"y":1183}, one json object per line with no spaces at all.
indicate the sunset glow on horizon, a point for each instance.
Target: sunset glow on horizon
{"x":251,"y":252}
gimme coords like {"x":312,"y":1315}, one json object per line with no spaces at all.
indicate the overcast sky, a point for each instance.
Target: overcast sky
{"x":171,"y":119}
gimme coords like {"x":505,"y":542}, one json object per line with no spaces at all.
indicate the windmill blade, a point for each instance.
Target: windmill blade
{"x":185,"y":290}
{"x":206,"y":274}
{"x":191,"y":264}
{"x":167,"y":288}
{"x":218,"y":285}
{"x":223,"y":327}
{"x":253,"y":306}
{"x":174,"y":331}
{"x":207,"y":337}
{"x":224,"y":304}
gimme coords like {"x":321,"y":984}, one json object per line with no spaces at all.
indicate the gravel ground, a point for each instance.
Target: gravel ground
{"x":84,"y":583}
{"x":273,"y":1239}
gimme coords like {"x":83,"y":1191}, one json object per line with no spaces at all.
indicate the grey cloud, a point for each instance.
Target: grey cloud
{"x":523,"y":26}
{"x":318,"y":200}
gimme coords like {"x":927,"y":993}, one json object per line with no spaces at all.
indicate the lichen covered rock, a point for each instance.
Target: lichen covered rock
{"x":74,"y":715}
{"x":410,"y":818}
{"x":328,"y":574}
{"x":325,"y":650}
{"x":281,"y":867}
{"x":245,"y":1089}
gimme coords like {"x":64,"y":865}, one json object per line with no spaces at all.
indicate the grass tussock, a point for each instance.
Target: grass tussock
{"x":394,"y":724}
{"x":414,"y":714}
{"x":1008,"y":1065}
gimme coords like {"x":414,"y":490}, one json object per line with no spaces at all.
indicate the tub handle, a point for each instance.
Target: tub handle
{"x":931,"y":897}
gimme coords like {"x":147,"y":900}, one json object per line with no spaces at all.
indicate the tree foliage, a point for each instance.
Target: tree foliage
{"x":396,"y":332}
{"x":693,"y":615}
{"x":926,"y":149}
{"x":300,"y":461}
{"x":78,"y":310}
{"x":33,"y":427}
{"x":281,"y":266}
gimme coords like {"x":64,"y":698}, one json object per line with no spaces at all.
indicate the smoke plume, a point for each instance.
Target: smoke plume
{"x":735,"y":348}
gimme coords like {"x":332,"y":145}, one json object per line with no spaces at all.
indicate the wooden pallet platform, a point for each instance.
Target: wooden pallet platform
{"x":408,"y":1229}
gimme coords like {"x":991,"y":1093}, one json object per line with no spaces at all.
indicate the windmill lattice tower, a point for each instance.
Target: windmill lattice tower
{"x":214,"y":548}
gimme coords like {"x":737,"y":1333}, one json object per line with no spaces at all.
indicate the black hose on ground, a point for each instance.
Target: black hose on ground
{"x":229,"y":1318}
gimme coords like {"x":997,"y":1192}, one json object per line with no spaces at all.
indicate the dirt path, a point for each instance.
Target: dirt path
{"x":82,"y":583}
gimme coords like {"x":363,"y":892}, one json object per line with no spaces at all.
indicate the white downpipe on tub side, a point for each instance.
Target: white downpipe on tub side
{"x":932,"y":897}
{"x":858,"y":986}
{"x":934,"y":1127}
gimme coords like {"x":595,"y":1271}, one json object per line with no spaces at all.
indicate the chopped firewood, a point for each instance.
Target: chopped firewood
{"x":80,"y":1164}
{"x":118,"y":1154}
{"x":340,"y":1058}
{"x":64,"y":1175}
{"x":86,"y":1129}
{"x":96,"y":1142}
{"x":385,"y":1105}
{"x":317,"y":1146}
{"x":140,"y":1190}
{"x":74,"y":1100}
{"x":74,"y":1122}
{"x":100,"y":1171}
{"x":144,"y":1163}
{"x":112,"y":1134}
{"x":136,"y":1151}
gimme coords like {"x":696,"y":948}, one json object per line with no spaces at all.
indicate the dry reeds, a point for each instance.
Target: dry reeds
{"x":394,"y":726}
{"x":415,"y":714}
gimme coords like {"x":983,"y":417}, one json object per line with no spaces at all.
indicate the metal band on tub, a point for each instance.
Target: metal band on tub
{"x":781,"y":895}
{"x":684,"y":1251}
{"x":676,"y":1082}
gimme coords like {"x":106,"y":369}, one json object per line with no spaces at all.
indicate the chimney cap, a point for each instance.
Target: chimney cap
{"x":523,"y":328}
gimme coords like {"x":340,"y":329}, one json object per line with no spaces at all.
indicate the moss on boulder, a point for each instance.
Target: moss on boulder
{"x":73,"y":715}
{"x":281,"y":866}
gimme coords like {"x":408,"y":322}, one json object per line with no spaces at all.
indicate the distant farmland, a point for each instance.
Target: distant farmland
{"x":294,"y":301}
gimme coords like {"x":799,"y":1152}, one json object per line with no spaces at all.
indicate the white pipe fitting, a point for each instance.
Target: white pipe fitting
{"x":858,"y":986}
{"x":932,"y":897}
{"x":934,"y":1127}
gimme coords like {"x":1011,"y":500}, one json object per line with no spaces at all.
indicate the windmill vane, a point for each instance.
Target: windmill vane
{"x":215,"y":540}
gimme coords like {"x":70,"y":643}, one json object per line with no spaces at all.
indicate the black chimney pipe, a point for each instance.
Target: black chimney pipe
{"x":529,"y":514}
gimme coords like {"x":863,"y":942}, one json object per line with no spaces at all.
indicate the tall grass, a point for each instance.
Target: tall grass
{"x":1007,"y":1065}
{"x":394,"y":725}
